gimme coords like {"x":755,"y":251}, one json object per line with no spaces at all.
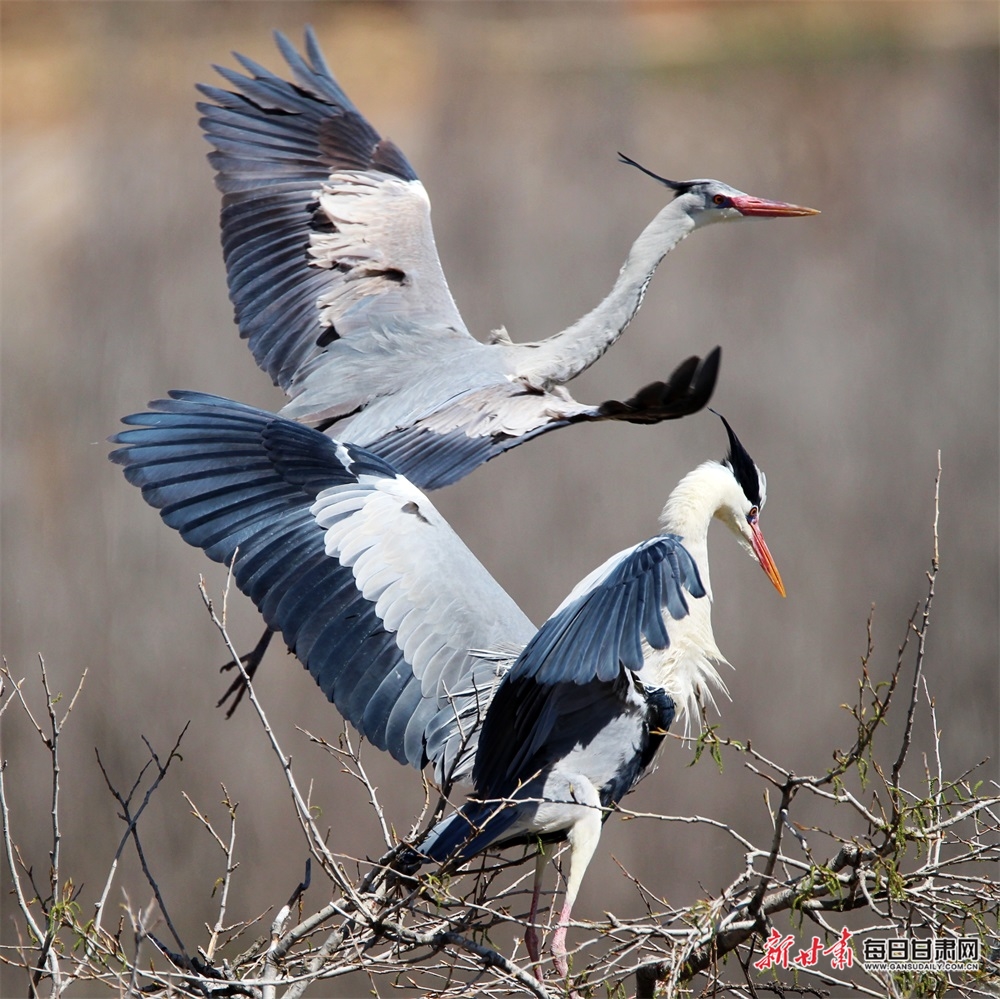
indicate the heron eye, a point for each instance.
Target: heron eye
{"x":720,"y":199}
{"x":752,"y":515}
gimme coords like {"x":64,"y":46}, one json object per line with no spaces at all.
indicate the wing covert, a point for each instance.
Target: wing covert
{"x":585,"y":658}
{"x":476,"y":426}
{"x":599,"y":628}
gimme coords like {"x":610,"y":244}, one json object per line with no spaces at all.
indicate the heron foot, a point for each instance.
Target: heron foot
{"x":250,"y":662}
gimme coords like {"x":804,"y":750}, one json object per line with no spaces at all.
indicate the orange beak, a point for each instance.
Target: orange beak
{"x":746,"y":204}
{"x":764,"y":557}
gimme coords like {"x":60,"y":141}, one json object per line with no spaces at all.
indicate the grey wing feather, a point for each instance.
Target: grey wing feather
{"x":325,"y":227}
{"x":442,"y":446}
{"x":632,"y":588}
{"x":372,"y":590}
{"x":580,"y":661}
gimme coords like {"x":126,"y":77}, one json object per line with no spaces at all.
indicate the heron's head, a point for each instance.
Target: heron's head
{"x":708,"y":201}
{"x":740,"y":510}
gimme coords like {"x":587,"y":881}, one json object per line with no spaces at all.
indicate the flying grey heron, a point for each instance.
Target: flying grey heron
{"x":424,"y":652}
{"x":337,"y":286}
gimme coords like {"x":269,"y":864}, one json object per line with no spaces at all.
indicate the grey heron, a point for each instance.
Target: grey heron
{"x":338,"y":289}
{"x":419,"y":647}
{"x":337,"y":286}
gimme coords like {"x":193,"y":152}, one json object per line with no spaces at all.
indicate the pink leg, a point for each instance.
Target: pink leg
{"x":531,"y":941}
{"x":583,"y":837}
{"x":559,"y":955}
{"x":559,"y":952}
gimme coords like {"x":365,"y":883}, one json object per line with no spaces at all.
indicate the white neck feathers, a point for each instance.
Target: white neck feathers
{"x":688,"y":669}
{"x":696,"y":499}
{"x":563,"y":356}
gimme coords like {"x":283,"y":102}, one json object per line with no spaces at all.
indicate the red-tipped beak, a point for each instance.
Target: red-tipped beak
{"x":746,"y":204}
{"x":764,"y":557}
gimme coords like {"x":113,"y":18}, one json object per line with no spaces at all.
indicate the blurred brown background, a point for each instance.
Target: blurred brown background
{"x":855,"y":345}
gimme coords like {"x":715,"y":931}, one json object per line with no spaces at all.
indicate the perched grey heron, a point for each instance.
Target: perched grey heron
{"x":424,"y":652}
{"x":337,"y":286}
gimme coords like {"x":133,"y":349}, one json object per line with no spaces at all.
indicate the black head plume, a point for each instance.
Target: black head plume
{"x":677,"y":186}
{"x":743,"y":466}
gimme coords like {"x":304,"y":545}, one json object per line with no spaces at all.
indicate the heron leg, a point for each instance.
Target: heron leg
{"x":250,"y":663}
{"x":583,"y":837}
{"x":531,"y":941}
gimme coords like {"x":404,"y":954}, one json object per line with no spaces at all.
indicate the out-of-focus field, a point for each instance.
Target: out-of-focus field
{"x":856,"y":345}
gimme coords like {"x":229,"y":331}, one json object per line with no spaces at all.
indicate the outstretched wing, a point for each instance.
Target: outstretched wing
{"x":337,"y":286}
{"x":583,"y":663}
{"x":326,"y":230}
{"x":376,"y":595}
{"x":443,"y":446}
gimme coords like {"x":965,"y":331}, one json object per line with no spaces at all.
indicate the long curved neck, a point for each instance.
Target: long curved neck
{"x":563,"y":356}
{"x":690,"y":508}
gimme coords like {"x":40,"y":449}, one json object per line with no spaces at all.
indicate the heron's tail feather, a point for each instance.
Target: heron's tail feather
{"x":477,"y":826}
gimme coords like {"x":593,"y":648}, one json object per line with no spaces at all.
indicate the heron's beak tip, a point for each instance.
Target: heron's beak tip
{"x":764,"y":557}
{"x":771,"y":570}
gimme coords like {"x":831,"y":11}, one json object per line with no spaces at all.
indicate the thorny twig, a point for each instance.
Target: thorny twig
{"x":228,"y":848}
{"x":131,"y":821}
